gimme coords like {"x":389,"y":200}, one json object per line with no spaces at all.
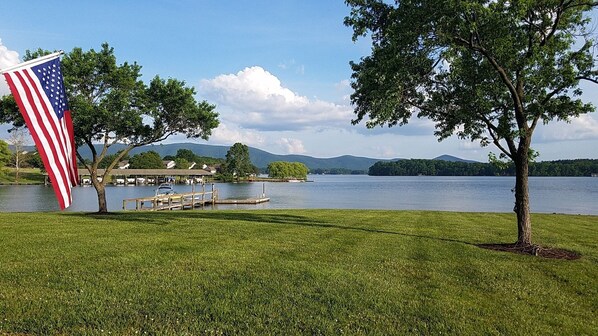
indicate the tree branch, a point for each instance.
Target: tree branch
{"x":501,"y":72}
{"x":593,"y":80}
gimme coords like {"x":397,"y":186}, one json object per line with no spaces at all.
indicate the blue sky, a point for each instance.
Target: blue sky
{"x":278,"y":72}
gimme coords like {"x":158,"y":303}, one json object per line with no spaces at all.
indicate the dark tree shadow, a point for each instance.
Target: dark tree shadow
{"x":274,"y":218}
{"x":269,"y":218}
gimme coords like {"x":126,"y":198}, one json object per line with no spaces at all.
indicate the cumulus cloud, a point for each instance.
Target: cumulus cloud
{"x":292,"y":146}
{"x":255,"y":99}
{"x":585,"y":127}
{"x":7,"y":58}
{"x":230,"y":134}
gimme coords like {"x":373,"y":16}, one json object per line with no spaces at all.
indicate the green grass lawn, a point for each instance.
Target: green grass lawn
{"x":293,"y":272}
{"x":26,"y":176}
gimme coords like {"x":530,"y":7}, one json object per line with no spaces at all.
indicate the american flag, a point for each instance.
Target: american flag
{"x":38,"y":89}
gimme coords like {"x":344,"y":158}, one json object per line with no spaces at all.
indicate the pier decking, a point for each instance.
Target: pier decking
{"x":186,"y":201}
{"x":190,"y":200}
{"x":243,"y":201}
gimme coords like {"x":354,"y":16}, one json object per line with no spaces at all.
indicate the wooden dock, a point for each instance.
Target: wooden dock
{"x":190,"y":200}
{"x":186,"y":201}
{"x":243,"y":201}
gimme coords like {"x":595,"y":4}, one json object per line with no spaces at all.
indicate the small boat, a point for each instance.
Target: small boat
{"x":165,"y":189}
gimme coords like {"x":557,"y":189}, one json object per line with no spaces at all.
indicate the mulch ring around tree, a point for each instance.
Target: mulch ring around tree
{"x":535,"y":250}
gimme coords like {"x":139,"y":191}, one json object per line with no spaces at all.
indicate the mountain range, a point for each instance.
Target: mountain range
{"x":261,"y":158}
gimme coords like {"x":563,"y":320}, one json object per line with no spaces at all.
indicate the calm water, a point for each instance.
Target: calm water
{"x":573,"y":195}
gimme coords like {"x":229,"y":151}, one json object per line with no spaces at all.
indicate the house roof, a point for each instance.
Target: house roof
{"x":151,"y":172}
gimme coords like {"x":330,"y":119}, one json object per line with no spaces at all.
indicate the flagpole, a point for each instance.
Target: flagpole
{"x":32,"y":62}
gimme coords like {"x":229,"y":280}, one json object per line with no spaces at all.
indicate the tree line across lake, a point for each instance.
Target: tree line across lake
{"x":413,"y":167}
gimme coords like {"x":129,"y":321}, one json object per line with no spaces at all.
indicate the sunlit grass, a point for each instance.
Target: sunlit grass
{"x":26,"y":176}
{"x":292,"y":272}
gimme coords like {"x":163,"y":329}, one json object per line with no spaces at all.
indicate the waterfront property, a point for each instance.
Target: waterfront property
{"x":148,"y":176}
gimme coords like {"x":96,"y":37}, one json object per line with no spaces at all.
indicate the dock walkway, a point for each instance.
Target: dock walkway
{"x":190,"y":200}
{"x":186,"y":201}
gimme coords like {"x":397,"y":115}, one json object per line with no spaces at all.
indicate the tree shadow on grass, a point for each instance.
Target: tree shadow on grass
{"x":166,"y":218}
{"x":273,"y":217}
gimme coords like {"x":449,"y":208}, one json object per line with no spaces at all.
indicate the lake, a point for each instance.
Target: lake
{"x":572,"y":195}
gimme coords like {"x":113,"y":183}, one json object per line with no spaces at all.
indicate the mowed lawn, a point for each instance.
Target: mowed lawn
{"x":293,"y":272}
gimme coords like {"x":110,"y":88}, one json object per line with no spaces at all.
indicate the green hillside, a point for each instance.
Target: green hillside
{"x":259,"y":157}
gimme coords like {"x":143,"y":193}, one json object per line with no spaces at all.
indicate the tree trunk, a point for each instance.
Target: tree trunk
{"x":101,"y":190}
{"x":524,"y":223}
{"x":17,"y":167}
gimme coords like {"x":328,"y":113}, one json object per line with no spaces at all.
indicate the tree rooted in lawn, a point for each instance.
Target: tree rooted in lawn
{"x":110,"y":104}
{"x":489,"y":71}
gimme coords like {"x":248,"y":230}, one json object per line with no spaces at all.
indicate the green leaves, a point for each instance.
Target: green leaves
{"x":479,"y":69}
{"x":283,"y":169}
{"x":238,"y":162}
{"x":5,"y":153}
{"x":173,"y":109}
{"x":146,"y":160}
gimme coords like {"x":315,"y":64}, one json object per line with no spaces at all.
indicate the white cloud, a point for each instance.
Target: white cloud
{"x":230,"y":134}
{"x":292,"y":146}
{"x":585,"y":127}
{"x":255,"y":99}
{"x":7,"y":58}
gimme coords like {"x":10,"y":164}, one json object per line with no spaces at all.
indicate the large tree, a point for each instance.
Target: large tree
{"x":238,"y":162}
{"x":284,"y":169}
{"x":111,"y":104}
{"x":489,"y":71}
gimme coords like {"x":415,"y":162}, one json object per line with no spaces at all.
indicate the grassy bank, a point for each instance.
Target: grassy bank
{"x":26,"y":176}
{"x":292,"y":272}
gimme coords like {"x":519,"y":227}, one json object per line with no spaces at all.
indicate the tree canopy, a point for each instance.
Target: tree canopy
{"x":488,"y":71}
{"x":111,"y":104}
{"x":414,"y":167}
{"x":182,"y":163}
{"x":283,"y":169}
{"x":146,"y":160}
{"x":5,"y":154}
{"x":238,"y":162}
{"x":109,"y":158}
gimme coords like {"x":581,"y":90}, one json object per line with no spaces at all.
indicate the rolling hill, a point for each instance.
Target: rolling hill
{"x":259,"y":157}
